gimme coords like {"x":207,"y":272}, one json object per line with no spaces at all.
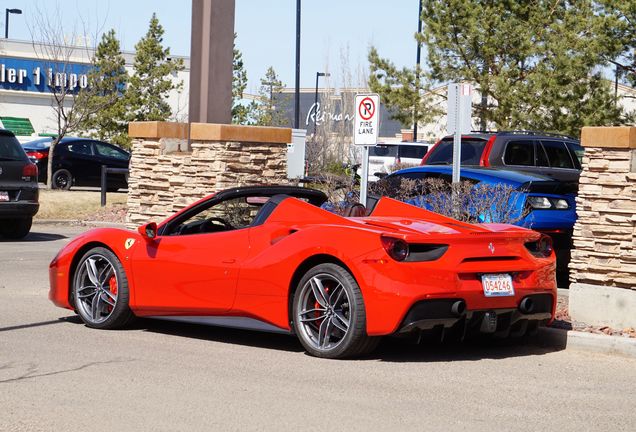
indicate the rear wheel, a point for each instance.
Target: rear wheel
{"x":62,"y":179}
{"x":16,"y":228}
{"x":329,"y":314}
{"x":100,"y":290}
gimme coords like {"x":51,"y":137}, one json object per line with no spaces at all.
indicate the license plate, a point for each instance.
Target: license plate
{"x":497,"y":285}
{"x":4,"y":196}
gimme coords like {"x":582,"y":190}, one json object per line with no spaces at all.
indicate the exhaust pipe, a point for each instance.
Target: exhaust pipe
{"x":458,"y":308}
{"x":526,"y":306}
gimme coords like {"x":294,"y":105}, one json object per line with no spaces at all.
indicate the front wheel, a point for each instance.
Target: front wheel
{"x":100,"y":290}
{"x":329,"y":315}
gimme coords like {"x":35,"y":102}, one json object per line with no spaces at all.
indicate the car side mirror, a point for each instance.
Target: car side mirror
{"x":148,"y":231}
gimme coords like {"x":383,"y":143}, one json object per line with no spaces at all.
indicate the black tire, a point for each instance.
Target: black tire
{"x":16,"y":229}
{"x":345,"y":310}
{"x":62,"y":179}
{"x":97,"y":308}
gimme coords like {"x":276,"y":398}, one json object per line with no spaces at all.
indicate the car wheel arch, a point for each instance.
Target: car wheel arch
{"x":300,"y":271}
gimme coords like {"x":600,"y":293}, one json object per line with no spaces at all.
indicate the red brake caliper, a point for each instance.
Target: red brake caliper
{"x":318,"y":306}
{"x":112,"y":287}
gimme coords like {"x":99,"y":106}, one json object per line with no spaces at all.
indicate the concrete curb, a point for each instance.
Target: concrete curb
{"x":74,"y":222}
{"x":590,"y":342}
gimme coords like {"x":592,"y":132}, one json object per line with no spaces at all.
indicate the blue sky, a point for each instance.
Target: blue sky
{"x":265,"y":28}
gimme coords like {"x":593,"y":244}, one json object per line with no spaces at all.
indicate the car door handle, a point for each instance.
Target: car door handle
{"x":229,"y":261}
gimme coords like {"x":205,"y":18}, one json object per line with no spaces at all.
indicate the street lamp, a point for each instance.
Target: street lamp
{"x":318,"y":75}
{"x":6,"y":20}
{"x":297,"y":89}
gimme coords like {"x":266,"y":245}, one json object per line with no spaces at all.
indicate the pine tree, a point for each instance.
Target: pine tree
{"x":400,"y":90}
{"x":241,"y":114}
{"x":537,"y":64}
{"x":152,"y":82}
{"x":108,"y":79}
{"x":269,"y":110}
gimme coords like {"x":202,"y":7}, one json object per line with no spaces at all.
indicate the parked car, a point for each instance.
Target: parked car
{"x":270,"y":253}
{"x":549,"y":206}
{"x":78,"y":162}
{"x":556,"y":156}
{"x":18,"y":188}
{"x":386,"y":158}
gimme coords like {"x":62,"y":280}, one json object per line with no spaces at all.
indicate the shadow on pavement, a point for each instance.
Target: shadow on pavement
{"x":35,"y":237}
{"x":37,"y":324}
{"x":389,"y":350}
{"x":393,"y":350}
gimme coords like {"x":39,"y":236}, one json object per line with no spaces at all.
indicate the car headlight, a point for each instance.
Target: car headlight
{"x":539,"y":202}
{"x":545,"y":203}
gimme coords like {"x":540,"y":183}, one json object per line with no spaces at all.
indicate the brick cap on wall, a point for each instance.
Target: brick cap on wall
{"x":609,"y":137}
{"x":239,"y":133}
{"x":157,"y":129}
{"x":209,"y":132}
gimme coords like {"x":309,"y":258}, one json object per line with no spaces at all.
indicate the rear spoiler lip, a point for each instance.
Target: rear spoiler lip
{"x":549,"y":186}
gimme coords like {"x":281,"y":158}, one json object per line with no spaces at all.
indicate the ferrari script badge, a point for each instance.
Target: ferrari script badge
{"x":491,"y":248}
{"x":129,"y":243}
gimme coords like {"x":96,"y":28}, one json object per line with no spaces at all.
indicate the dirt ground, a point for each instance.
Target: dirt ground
{"x":81,"y":205}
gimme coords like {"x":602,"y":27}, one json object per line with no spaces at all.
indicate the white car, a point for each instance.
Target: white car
{"x":386,"y":158}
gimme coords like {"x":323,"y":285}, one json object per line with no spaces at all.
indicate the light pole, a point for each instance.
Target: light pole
{"x":297,"y":90}
{"x":318,"y":75}
{"x":6,"y":20}
{"x":417,"y":73}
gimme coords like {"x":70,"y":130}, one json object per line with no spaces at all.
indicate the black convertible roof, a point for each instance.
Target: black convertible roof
{"x":314,"y":196}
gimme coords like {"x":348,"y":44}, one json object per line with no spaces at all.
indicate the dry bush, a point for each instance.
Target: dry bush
{"x":465,"y":201}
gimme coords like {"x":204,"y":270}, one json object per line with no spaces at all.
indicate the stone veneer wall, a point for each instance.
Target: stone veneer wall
{"x":166,"y":175}
{"x":603,"y":265}
{"x":605,"y":232}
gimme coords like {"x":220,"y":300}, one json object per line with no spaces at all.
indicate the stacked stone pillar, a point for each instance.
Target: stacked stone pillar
{"x":603,"y":265}
{"x":168,"y":171}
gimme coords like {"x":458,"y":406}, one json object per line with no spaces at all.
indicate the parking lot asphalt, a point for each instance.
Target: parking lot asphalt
{"x":56,"y":374}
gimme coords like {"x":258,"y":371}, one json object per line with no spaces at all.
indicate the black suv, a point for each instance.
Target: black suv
{"x":552,"y":155}
{"x":18,"y":188}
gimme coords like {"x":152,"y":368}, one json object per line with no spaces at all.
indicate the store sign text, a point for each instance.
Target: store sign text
{"x":318,"y":116}
{"x":42,"y":77}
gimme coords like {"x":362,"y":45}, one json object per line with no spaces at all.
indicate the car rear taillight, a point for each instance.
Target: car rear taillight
{"x":397,"y":248}
{"x":485,"y":155}
{"x":36,"y":155}
{"x":29,"y":171}
{"x":541,"y":248}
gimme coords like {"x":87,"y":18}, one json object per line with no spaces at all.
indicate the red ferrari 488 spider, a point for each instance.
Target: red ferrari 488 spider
{"x":270,"y":253}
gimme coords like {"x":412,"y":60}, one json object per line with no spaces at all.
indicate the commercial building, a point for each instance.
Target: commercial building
{"x":27,"y":74}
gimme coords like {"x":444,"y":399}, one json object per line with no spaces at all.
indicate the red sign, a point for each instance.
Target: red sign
{"x":366,"y":109}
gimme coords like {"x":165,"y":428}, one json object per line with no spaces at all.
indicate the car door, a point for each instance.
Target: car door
{"x":112,"y":157}
{"x":193,"y":266}
{"x":520,"y":155}
{"x":78,"y":158}
{"x":561,"y":165}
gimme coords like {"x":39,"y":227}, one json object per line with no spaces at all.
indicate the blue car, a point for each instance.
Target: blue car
{"x":541,"y":203}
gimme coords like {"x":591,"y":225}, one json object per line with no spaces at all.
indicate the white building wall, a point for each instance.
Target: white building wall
{"x":38,"y":107}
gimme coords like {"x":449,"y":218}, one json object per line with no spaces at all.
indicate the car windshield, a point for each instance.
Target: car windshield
{"x":442,"y":154}
{"x":10,"y":149}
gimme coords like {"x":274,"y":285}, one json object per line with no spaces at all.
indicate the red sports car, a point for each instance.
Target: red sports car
{"x":271,"y":254}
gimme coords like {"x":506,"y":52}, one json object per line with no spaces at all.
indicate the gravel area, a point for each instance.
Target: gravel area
{"x":565,"y":322}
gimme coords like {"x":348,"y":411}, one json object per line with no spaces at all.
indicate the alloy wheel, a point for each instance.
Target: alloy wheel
{"x":324,"y":312}
{"x":96,"y":289}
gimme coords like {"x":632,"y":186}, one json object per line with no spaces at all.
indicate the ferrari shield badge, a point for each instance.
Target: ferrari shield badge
{"x":129,"y":243}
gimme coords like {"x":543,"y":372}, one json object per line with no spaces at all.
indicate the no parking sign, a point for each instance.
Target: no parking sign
{"x":367,"y":120}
